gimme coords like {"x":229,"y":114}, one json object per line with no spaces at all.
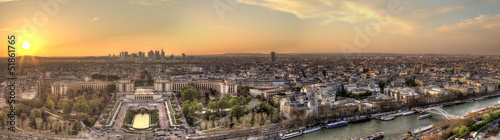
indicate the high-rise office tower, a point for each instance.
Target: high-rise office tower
{"x":273,"y":57}
{"x":150,"y":54}
{"x":162,"y":54}
{"x":183,"y":55}
{"x":157,"y":55}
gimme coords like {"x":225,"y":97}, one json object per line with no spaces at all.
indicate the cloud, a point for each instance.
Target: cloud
{"x":95,"y":19}
{"x":426,"y":14}
{"x":480,"y":23}
{"x":331,"y":11}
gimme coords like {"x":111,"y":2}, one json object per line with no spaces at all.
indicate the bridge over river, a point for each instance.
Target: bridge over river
{"x":438,"y":111}
{"x":398,"y":127}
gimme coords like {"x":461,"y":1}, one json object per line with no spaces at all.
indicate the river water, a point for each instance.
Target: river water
{"x":396,"y":128}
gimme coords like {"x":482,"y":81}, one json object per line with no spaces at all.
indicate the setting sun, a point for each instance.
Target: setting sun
{"x":26,"y":45}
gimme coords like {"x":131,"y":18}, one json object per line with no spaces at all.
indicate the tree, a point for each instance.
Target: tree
{"x":189,"y":94}
{"x":463,"y":130}
{"x":44,"y":96}
{"x":86,"y":108}
{"x":96,"y":106}
{"x":223,"y":104}
{"x":265,"y":108}
{"x":37,"y":103}
{"x":247,"y":100}
{"x":237,"y":111}
{"x":35,"y":113}
{"x":243,"y":90}
{"x":486,"y":118}
{"x":81,"y":99}
{"x":66,"y":107}
{"x":212,"y":105}
{"x":77,"y":107}
{"x":77,"y":126}
{"x":233,"y":102}
{"x":91,"y":121}
{"x":50,"y":104}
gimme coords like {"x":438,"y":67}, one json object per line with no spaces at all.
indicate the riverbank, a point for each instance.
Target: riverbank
{"x":271,"y":132}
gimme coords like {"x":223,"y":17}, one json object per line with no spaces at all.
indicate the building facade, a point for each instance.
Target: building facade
{"x":61,"y":87}
{"x":125,"y":86}
{"x":162,"y":85}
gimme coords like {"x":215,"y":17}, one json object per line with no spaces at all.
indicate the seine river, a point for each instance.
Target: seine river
{"x":396,"y":128}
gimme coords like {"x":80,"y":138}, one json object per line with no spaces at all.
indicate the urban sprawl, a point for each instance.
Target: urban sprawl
{"x":244,"y":96}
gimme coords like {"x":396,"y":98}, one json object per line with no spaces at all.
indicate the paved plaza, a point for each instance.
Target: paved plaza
{"x":159,"y":106}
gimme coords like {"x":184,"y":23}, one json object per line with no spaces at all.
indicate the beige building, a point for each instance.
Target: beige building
{"x":143,"y":95}
{"x":125,"y":85}
{"x":290,"y":109}
{"x":161,"y":85}
{"x":267,"y":92}
{"x":401,"y":94}
{"x":61,"y":87}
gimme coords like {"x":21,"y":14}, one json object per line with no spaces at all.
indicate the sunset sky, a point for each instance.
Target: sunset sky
{"x":102,"y":27}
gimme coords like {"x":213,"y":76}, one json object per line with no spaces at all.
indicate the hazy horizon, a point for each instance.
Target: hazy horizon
{"x":207,"y":27}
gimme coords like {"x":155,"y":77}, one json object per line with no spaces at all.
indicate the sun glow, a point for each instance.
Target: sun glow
{"x":26,"y":45}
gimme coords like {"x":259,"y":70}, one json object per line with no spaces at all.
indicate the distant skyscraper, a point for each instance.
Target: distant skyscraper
{"x":126,"y":54}
{"x":157,"y":55}
{"x":162,"y":54}
{"x":150,"y":54}
{"x":183,"y":55}
{"x":172,"y":56}
{"x":273,"y":57}
{"x":140,"y":54}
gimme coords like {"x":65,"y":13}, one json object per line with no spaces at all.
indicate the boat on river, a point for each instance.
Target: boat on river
{"x":336,"y":124}
{"x":387,"y":118}
{"x":420,"y":129}
{"x":408,"y":113}
{"x":424,"y":116}
{"x":290,"y":135}
{"x":373,"y":136}
{"x":310,"y":130}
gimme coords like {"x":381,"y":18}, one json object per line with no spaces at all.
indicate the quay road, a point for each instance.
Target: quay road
{"x":19,"y":135}
{"x":264,"y":132}
{"x":394,"y":129}
{"x":398,"y":127}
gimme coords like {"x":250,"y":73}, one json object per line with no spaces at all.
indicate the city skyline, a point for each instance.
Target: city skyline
{"x":200,"y":27}
{"x":250,"y":69}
